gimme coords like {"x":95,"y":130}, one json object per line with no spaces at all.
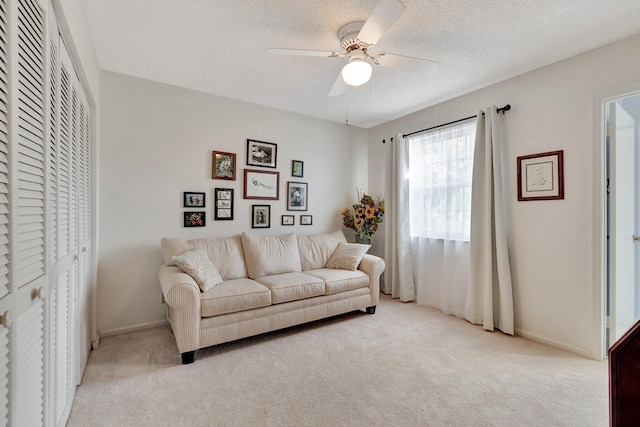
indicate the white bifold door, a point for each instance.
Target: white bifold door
{"x":45,"y":219}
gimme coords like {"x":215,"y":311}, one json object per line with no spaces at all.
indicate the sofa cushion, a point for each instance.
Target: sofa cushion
{"x":337,"y":281}
{"x":226,"y":254}
{"x":172,"y":246}
{"x":315,"y":250}
{"x":196,"y":264}
{"x":267,"y":255}
{"x":232,"y":296}
{"x":292,"y":286}
{"x":348,"y":256}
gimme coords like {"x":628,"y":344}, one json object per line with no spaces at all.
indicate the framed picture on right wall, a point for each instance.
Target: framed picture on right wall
{"x":541,"y":176}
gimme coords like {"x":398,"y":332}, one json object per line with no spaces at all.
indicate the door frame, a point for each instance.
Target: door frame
{"x":599,"y":272}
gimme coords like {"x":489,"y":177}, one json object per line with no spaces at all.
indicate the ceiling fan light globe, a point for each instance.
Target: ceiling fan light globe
{"x":357,"y":72}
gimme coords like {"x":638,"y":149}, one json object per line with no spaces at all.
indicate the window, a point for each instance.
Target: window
{"x":440,"y":172}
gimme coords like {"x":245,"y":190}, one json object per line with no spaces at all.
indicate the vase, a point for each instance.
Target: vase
{"x":363,"y":240}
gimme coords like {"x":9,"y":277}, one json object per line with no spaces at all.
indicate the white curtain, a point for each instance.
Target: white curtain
{"x":489,"y":294}
{"x":441,"y":272}
{"x":441,"y":163}
{"x":398,"y":275}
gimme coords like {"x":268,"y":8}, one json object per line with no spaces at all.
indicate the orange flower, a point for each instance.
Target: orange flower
{"x":358,"y":222}
{"x":370,"y":212}
{"x":360,"y":211}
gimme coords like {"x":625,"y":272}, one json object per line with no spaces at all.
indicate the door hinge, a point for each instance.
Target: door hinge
{"x":636,"y":238}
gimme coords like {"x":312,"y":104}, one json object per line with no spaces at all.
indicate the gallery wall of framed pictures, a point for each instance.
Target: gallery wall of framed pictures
{"x":260,"y":181}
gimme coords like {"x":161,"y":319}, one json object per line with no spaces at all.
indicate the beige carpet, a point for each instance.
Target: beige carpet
{"x":404,"y":366}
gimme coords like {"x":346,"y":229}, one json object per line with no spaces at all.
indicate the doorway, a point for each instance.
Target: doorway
{"x":622,"y":173}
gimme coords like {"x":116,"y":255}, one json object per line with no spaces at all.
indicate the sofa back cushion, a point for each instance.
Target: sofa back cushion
{"x":172,"y":246}
{"x":316,"y":250}
{"x":267,"y":255}
{"x":224,"y":252}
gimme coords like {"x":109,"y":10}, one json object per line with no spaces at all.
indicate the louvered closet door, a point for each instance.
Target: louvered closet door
{"x":52,"y":215}
{"x":6,"y":298}
{"x":84,"y":233}
{"x":67,"y":260}
{"x":28,"y":169}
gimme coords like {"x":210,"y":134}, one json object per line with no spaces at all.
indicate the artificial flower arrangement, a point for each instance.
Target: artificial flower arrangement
{"x":364,"y":216}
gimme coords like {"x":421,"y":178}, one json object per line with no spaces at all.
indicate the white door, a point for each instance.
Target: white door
{"x":623,"y":278}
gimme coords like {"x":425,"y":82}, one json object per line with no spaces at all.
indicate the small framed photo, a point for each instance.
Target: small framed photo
{"x":263,"y":185}
{"x":297,"y":167}
{"x":260,"y":153}
{"x":306,"y":219}
{"x":223,"y":209}
{"x":297,"y":196}
{"x":260,"y":216}
{"x":224,"y":165}
{"x":193,"y":200}
{"x":541,"y":176}
{"x":288,"y":220}
{"x":194,"y":219}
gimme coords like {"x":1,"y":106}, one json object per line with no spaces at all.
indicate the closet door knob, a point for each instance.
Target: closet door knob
{"x":39,"y":293}
{"x":6,"y":319}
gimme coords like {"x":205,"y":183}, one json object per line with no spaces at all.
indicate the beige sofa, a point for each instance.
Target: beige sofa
{"x":268,"y":283}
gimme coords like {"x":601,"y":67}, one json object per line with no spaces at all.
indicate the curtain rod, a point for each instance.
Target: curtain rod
{"x":500,"y":110}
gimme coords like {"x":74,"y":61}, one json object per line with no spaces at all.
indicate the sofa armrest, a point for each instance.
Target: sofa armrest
{"x":373,"y":266}
{"x":182,"y":296}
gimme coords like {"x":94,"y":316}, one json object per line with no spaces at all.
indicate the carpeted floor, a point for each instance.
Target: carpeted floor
{"x":404,"y":366}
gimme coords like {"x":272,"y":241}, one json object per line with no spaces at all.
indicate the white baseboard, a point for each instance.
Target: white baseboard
{"x":571,"y":349}
{"x":128,"y":329}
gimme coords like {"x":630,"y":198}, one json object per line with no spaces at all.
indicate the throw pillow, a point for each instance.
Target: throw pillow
{"x":196,"y":263}
{"x":348,"y":256}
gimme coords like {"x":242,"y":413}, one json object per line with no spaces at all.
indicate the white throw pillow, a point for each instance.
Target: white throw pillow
{"x":196,"y":264}
{"x":348,"y":256}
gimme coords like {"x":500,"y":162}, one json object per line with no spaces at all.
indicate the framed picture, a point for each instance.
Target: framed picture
{"x":194,"y":219}
{"x":306,"y":219}
{"x":261,"y":153}
{"x":260,"y":216}
{"x":264,"y":185}
{"x":193,"y":200}
{"x":288,"y":220}
{"x":297,"y":196}
{"x":297,"y":168}
{"x":223,"y":210}
{"x":541,"y":176}
{"x":224,"y":165}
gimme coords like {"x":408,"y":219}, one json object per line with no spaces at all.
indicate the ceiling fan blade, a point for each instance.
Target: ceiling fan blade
{"x":382,"y":18}
{"x":338,"y":87}
{"x":303,"y":52}
{"x":407,"y":63}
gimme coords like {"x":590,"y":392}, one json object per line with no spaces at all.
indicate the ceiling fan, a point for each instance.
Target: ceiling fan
{"x":356,"y":38}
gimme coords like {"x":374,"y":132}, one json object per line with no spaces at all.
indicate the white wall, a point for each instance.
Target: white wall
{"x":157,"y":142}
{"x":551,"y":242}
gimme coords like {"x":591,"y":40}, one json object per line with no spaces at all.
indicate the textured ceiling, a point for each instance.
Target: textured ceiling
{"x":218,"y":47}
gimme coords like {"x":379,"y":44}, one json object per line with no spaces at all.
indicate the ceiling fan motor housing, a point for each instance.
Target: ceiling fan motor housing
{"x":348,"y":36}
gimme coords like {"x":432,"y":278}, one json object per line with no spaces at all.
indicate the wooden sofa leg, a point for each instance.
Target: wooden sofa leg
{"x":371,"y":310}
{"x":188,"y":357}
